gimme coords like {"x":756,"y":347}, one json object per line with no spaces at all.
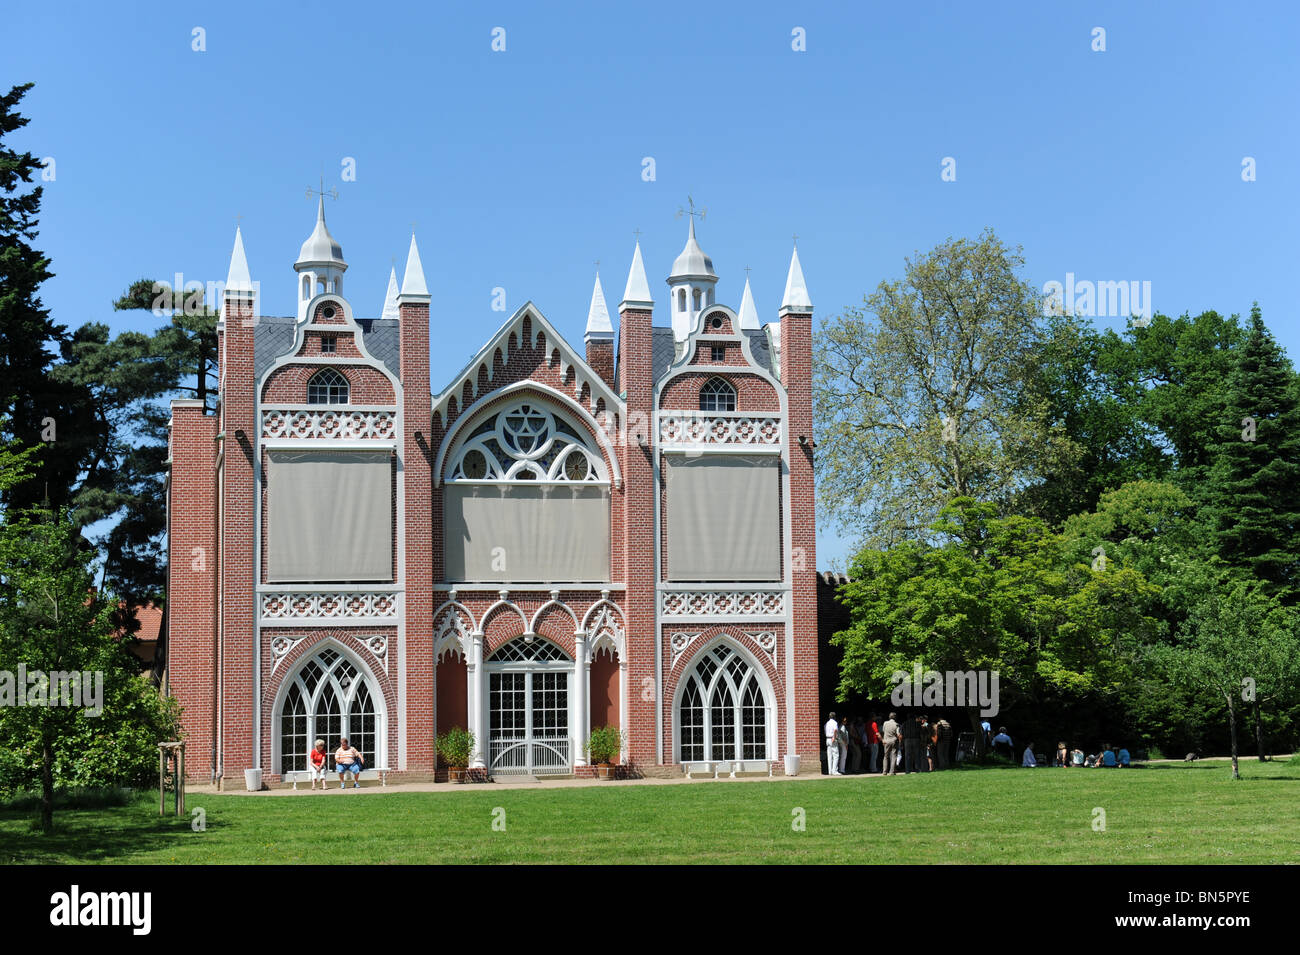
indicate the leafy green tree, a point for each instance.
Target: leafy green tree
{"x":51,"y":621}
{"x":1253,"y":490}
{"x":1236,"y":638}
{"x":930,"y":400}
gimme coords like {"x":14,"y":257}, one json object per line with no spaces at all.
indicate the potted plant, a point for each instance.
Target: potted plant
{"x":604,"y":746}
{"x":455,"y":747}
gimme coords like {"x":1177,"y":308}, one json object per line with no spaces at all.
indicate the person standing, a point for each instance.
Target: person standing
{"x":942,"y":743}
{"x":851,"y":735}
{"x":873,"y":741}
{"x":912,"y":745}
{"x":890,"y":734}
{"x":831,"y":731}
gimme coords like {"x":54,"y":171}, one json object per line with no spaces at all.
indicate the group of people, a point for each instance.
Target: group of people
{"x":914,"y":745}
{"x":347,"y":760}
{"x":1108,"y":756}
{"x":917,"y":745}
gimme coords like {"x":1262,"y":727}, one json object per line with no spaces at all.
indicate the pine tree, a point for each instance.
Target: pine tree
{"x":1253,"y":491}
{"x":39,"y":410}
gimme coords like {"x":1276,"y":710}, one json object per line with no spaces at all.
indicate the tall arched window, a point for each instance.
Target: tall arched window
{"x":723,"y":713}
{"x":327,"y":387}
{"x":306,"y":287}
{"x":681,"y":300}
{"x":717,"y":395}
{"x":697,"y":299}
{"x":328,"y":698}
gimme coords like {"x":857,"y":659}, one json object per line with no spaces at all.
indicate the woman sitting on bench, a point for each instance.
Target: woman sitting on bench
{"x":348,"y":760}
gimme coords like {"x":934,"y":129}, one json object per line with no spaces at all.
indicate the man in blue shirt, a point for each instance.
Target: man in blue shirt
{"x":1028,"y":761}
{"x":1002,"y":742}
{"x":1123,"y":757}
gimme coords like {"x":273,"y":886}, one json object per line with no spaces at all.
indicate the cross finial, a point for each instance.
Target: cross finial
{"x":239,"y":220}
{"x":598,"y":265}
{"x":691,"y":212}
{"x":747,"y":272}
{"x":637,"y":233}
{"x":795,"y":237}
{"x":322,"y":191}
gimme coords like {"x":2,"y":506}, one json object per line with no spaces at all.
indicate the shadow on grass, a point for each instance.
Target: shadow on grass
{"x":111,"y":834}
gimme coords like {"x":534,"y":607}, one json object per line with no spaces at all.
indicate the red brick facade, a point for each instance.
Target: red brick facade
{"x":422,"y":644}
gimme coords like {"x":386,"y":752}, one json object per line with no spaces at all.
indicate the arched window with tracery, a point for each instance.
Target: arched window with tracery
{"x":329,"y":697}
{"x":327,"y":387}
{"x":717,"y":395}
{"x":527,"y":499}
{"x":723,"y":714}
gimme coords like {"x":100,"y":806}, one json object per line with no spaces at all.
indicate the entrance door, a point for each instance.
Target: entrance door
{"x":530,"y":722}
{"x":528,"y":701}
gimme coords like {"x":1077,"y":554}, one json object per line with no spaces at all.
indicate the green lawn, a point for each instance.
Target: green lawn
{"x":1160,"y":814}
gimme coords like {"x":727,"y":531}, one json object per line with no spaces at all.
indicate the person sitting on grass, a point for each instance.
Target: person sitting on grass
{"x":1002,"y":743}
{"x":1123,"y":757}
{"x":1062,"y":755}
{"x":1028,"y":761}
{"x":1108,"y":758}
{"x":348,"y":760}
{"x":1077,"y":758}
{"x":317,"y":764}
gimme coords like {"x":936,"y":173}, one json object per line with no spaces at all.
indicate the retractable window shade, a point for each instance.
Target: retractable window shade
{"x":724,"y":514}
{"x":330,"y":516}
{"x":526,"y":533}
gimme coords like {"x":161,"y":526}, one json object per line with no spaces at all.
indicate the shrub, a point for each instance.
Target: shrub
{"x":455,"y":747}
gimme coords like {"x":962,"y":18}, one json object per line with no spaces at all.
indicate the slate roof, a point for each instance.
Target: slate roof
{"x":274,"y":336}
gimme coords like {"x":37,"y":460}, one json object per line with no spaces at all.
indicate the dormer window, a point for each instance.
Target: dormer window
{"x":717,"y":395}
{"x":327,"y":388}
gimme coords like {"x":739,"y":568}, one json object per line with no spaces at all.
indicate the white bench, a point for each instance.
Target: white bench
{"x":304,"y":776}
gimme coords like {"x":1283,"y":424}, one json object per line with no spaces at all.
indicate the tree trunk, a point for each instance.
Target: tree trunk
{"x":1259,"y":733}
{"x":47,"y":783}
{"x":973,"y":713}
{"x":1232,"y":731}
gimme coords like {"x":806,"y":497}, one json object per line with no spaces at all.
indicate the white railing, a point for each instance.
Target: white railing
{"x":537,"y":754}
{"x":350,"y":425}
{"x":346,"y":606}
{"x":718,"y":427}
{"x":680,"y":604}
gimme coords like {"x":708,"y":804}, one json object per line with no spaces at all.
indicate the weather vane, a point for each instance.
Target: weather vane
{"x":322,"y":191}
{"x":691,"y":202}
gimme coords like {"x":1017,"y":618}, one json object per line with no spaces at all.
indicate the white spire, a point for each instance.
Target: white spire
{"x":598,"y":323}
{"x":748,"y":313}
{"x":413,"y":280}
{"x":238,"y":279}
{"x":390,"y":298}
{"x":637,"y":291}
{"x":796,"y":293}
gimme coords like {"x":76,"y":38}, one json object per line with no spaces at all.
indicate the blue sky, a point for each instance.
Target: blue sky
{"x":522,"y":168}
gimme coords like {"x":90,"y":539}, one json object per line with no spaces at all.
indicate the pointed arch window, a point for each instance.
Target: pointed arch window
{"x":329,"y":698}
{"x":327,"y":387}
{"x":717,"y":395}
{"x":723,"y":714}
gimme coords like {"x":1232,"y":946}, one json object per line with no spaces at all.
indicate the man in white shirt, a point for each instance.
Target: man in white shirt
{"x":831,"y":731}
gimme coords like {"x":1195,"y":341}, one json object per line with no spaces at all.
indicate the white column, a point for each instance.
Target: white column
{"x":622,"y":705}
{"x":473,"y":698}
{"x":581,"y":693}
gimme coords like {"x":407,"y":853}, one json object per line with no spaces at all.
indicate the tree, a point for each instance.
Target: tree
{"x":928,"y":401}
{"x":39,"y":410}
{"x":52,"y":622}
{"x":1253,"y":490}
{"x":1236,"y":638}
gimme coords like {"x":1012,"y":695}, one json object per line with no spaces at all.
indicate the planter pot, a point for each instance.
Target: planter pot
{"x":604,"y":771}
{"x":456,"y":774}
{"x":792,"y":764}
{"x":253,"y":780}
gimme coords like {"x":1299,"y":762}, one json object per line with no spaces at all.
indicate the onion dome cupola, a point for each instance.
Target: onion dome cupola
{"x":692,"y":282}
{"x":320,"y":264}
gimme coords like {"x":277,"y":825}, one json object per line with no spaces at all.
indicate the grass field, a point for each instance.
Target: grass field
{"x":1165,"y":813}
